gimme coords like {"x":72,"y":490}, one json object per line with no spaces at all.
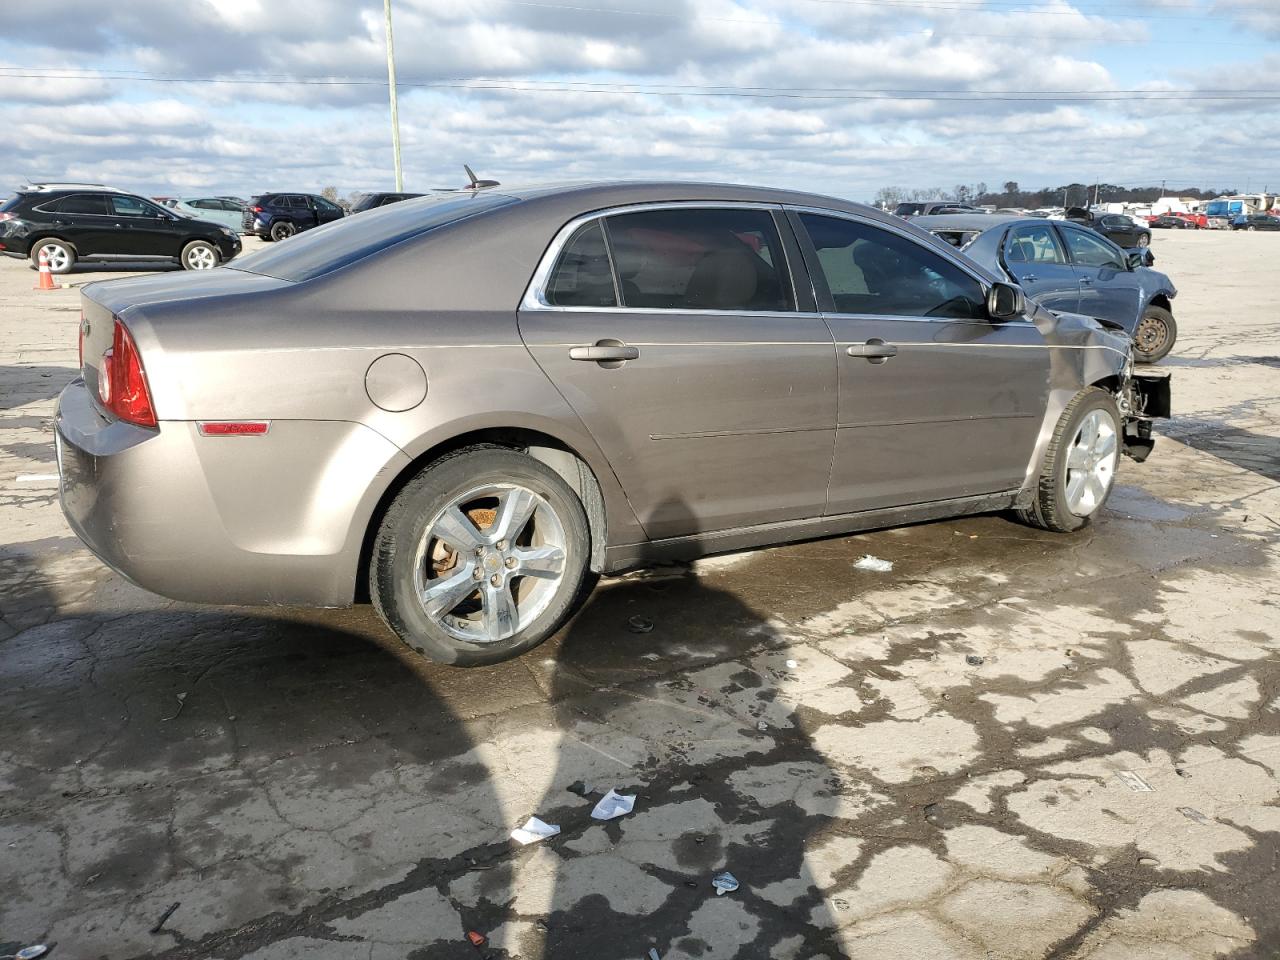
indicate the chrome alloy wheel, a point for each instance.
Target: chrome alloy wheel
{"x":490,"y":562}
{"x":56,"y":253}
{"x":201,"y":258}
{"x":1091,"y":463}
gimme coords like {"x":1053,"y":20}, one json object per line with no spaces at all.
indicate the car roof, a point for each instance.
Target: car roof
{"x":971,"y":221}
{"x":67,"y":186}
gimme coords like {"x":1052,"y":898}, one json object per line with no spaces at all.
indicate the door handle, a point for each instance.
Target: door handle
{"x":1085,"y":282}
{"x":874,"y":350}
{"x":1030,"y":278}
{"x":611,"y":352}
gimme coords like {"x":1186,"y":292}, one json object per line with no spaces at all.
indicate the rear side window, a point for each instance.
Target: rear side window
{"x":12,"y":203}
{"x":583,"y":276}
{"x":700,"y":259}
{"x":1035,"y":243}
{"x":90,"y":203}
{"x":326,"y":248}
{"x":875,"y":272}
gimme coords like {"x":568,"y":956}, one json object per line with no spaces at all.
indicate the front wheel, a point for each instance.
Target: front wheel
{"x":1144,"y":240}
{"x":480,"y":557}
{"x":1079,"y":465}
{"x":199,"y":255}
{"x":1155,"y":335}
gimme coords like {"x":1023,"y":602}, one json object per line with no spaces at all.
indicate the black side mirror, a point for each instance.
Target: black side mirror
{"x":1137,"y":259}
{"x":1006,"y":302}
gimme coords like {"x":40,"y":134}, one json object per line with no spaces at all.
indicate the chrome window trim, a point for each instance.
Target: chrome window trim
{"x":535,"y":294}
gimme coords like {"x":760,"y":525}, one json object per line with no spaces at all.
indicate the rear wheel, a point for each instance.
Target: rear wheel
{"x":480,"y":557}
{"x":199,"y":255}
{"x":59,"y":253}
{"x":1155,"y":335}
{"x":1079,"y":466}
{"x":282,"y":230}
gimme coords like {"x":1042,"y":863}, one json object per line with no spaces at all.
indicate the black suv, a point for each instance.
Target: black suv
{"x":81,"y":221}
{"x":276,"y":216}
{"x":1120,"y":230}
{"x":367,"y":201}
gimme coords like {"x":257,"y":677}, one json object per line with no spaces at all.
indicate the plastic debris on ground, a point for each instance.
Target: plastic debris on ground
{"x":476,"y":939}
{"x":724,"y":883}
{"x":533,"y":831}
{"x":1135,"y":782}
{"x":581,"y":789}
{"x":613,"y":804}
{"x":640,"y":625}
{"x":762,"y":726}
{"x":792,"y":664}
{"x":653,"y":954}
{"x":1191,"y":813}
{"x":165,"y":916}
{"x":32,"y":952}
{"x":651,"y":656}
{"x":868,"y":562}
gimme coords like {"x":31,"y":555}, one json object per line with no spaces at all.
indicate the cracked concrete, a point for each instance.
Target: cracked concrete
{"x":301,"y":791}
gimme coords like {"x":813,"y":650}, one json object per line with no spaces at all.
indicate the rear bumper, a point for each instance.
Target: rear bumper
{"x":278,"y":519}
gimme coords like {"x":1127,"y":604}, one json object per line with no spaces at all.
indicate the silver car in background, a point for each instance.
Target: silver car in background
{"x":220,"y":210}
{"x":471,"y":404}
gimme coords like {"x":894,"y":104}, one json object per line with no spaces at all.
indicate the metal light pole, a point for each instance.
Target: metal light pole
{"x":391,"y":85}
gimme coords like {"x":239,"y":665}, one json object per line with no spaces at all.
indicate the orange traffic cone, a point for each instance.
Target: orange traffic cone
{"x":46,"y":275}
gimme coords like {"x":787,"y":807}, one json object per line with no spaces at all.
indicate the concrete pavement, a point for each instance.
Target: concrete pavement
{"x":1013,"y":745}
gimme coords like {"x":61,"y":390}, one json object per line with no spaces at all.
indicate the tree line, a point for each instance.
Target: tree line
{"x":1012,"y":195}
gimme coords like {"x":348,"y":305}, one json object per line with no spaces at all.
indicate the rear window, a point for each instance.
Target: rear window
{"x":908,"y":209}
{"x":12,"y":203}
{"x":325,"y":249}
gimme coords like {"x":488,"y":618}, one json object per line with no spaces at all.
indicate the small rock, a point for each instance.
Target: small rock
{"x":640,"y":625}
{"x":974,"y":660}
{"x":1148,"y":862}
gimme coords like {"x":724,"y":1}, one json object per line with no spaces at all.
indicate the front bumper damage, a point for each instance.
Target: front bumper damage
{"x":1144,"y":397}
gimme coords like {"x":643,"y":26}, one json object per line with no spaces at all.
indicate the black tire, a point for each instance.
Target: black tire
{"x":1049,"y":509}
{"x":190,"y":259}
{"x":282,"y":230}
{"x":63,"y":264}
{"x":405,"y":525}
{"x":1156,"y":334}
{"x":1144,"y":240}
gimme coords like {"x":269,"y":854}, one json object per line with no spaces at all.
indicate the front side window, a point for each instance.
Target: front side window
{"x":583,"y":276}
{"x":126,"y":206}
{"x":326,"y":205}
{"x":1092,"y":251}
{"x":90,"y":203}
{"x":1035,"y":243}
{"x":876,"y":272}
{"x":700,"y":259}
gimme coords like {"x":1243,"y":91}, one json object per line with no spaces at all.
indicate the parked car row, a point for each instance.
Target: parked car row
{"x":69,"y":222}
{"x":74,"y":222}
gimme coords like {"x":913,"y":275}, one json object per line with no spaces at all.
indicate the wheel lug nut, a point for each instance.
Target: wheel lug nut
{"x":479,"y":551}
{"x":502,"y":544}
{"x":495,"y":580}
{"x":511,"y":563}
{"x":477,"y":573}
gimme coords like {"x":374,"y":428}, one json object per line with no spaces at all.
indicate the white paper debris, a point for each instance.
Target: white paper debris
{"x":869,"y":562}
{"x":792,"y":664}
{"x":533,"y":831}
{"x":613,"y":804}
{"x":724,"y":883}
{"x":1134,"y":782}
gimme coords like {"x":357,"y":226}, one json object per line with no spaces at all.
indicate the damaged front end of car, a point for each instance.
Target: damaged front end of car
{"x":1142,"y":398}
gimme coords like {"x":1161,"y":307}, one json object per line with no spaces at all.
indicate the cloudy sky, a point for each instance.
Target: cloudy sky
{"x":842,"y":96}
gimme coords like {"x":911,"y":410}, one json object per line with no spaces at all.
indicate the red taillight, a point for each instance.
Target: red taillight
{"x":122,"y":384}
{"x":256,"y":209}
{"x":8,"y":216}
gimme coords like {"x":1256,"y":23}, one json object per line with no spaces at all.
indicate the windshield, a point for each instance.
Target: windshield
{"x":1217,"y":208}
{"x":324,"y":249}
